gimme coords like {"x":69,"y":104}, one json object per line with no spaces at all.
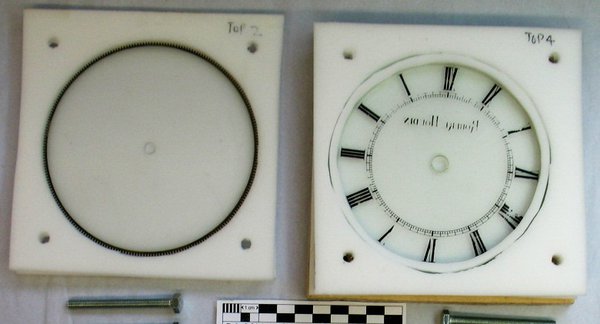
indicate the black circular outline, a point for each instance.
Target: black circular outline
{"x":118,"y":49}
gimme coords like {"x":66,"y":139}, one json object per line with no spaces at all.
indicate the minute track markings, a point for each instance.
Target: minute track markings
{"x":490,"y":213}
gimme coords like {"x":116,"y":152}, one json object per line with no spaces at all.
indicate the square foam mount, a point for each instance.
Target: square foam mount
{"x":147,"y":145}
{"x":401,"y":159}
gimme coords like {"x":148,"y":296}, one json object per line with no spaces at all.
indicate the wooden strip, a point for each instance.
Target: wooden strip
{"x":507,"y":300}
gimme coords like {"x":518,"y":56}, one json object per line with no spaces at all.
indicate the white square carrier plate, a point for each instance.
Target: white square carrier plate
{"x":447,"y":164}
{"x":147,"y":145}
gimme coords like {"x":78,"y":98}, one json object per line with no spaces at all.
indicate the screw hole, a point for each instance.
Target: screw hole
{"x":53,"y":43}
{"x":348,"y":257}
{"x":554,"y":58}
{"x":557,"y":259}
{"x":44,"y":238}
{"x":348,"y":55}
{"x":252,"y":47}
{"x":246,"y":244}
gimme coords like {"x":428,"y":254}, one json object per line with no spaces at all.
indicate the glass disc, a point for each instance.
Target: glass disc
{"x":150,"y":148}
{"x":440,"y":161}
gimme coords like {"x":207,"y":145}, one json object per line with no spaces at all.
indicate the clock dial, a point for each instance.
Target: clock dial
{"x":442,"y":161}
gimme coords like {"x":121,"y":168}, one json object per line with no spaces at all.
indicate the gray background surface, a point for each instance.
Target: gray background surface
{"x":40,"y":299}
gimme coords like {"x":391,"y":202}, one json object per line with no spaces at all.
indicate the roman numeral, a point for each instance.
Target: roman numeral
{"x":478,"y":246}
{"x":351,"y":153}
{"x":359,"y":197}
{"x":404,"y":84}
{"x":509,"y":216}
{"x":520,"y":173}
{"x":385,"y":234}
{"x":368,"y":111}
{"x":491,"y":94}
{"x":519,"y":130}
{"x":449,"y":76}
{"x":430,"y":252}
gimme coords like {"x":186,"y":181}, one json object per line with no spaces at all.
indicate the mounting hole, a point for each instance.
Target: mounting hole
{"x":252,"y":47}
{"x":348,"y":257}
{"x":53,"y":42}
{"x":554,"y":58}
{"x":348,"y":54}
{"x":246,"y":244}
{"x":44,"y":238}
{"x":557,"y":259}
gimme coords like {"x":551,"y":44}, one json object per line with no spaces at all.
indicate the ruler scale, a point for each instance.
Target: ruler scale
{"x":308,"y":312}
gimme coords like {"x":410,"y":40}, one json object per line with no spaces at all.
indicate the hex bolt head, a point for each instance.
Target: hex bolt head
{"x":176,"y":303}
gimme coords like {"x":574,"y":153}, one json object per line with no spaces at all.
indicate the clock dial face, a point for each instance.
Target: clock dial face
{"x":440,"y":160}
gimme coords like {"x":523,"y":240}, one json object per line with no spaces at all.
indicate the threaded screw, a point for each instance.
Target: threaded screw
{"x":173,"y":302}
{"x":458,"y":318}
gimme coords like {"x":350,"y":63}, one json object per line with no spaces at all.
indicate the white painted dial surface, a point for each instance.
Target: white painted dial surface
{"x":440,"y":160}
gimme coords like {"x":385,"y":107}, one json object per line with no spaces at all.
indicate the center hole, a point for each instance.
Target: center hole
{"x":149,"y":148}
{"x":440,"y":163}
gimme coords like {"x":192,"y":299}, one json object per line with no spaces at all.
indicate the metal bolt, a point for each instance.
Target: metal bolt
{"x":459,"y":318}
{"x":174,"y":302}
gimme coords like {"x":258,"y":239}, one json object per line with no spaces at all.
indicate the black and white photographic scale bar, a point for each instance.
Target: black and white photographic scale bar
{"x":308,"y":312}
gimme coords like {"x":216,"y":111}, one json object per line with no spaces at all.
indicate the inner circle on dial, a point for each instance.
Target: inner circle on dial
{"x":416,"y":184}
